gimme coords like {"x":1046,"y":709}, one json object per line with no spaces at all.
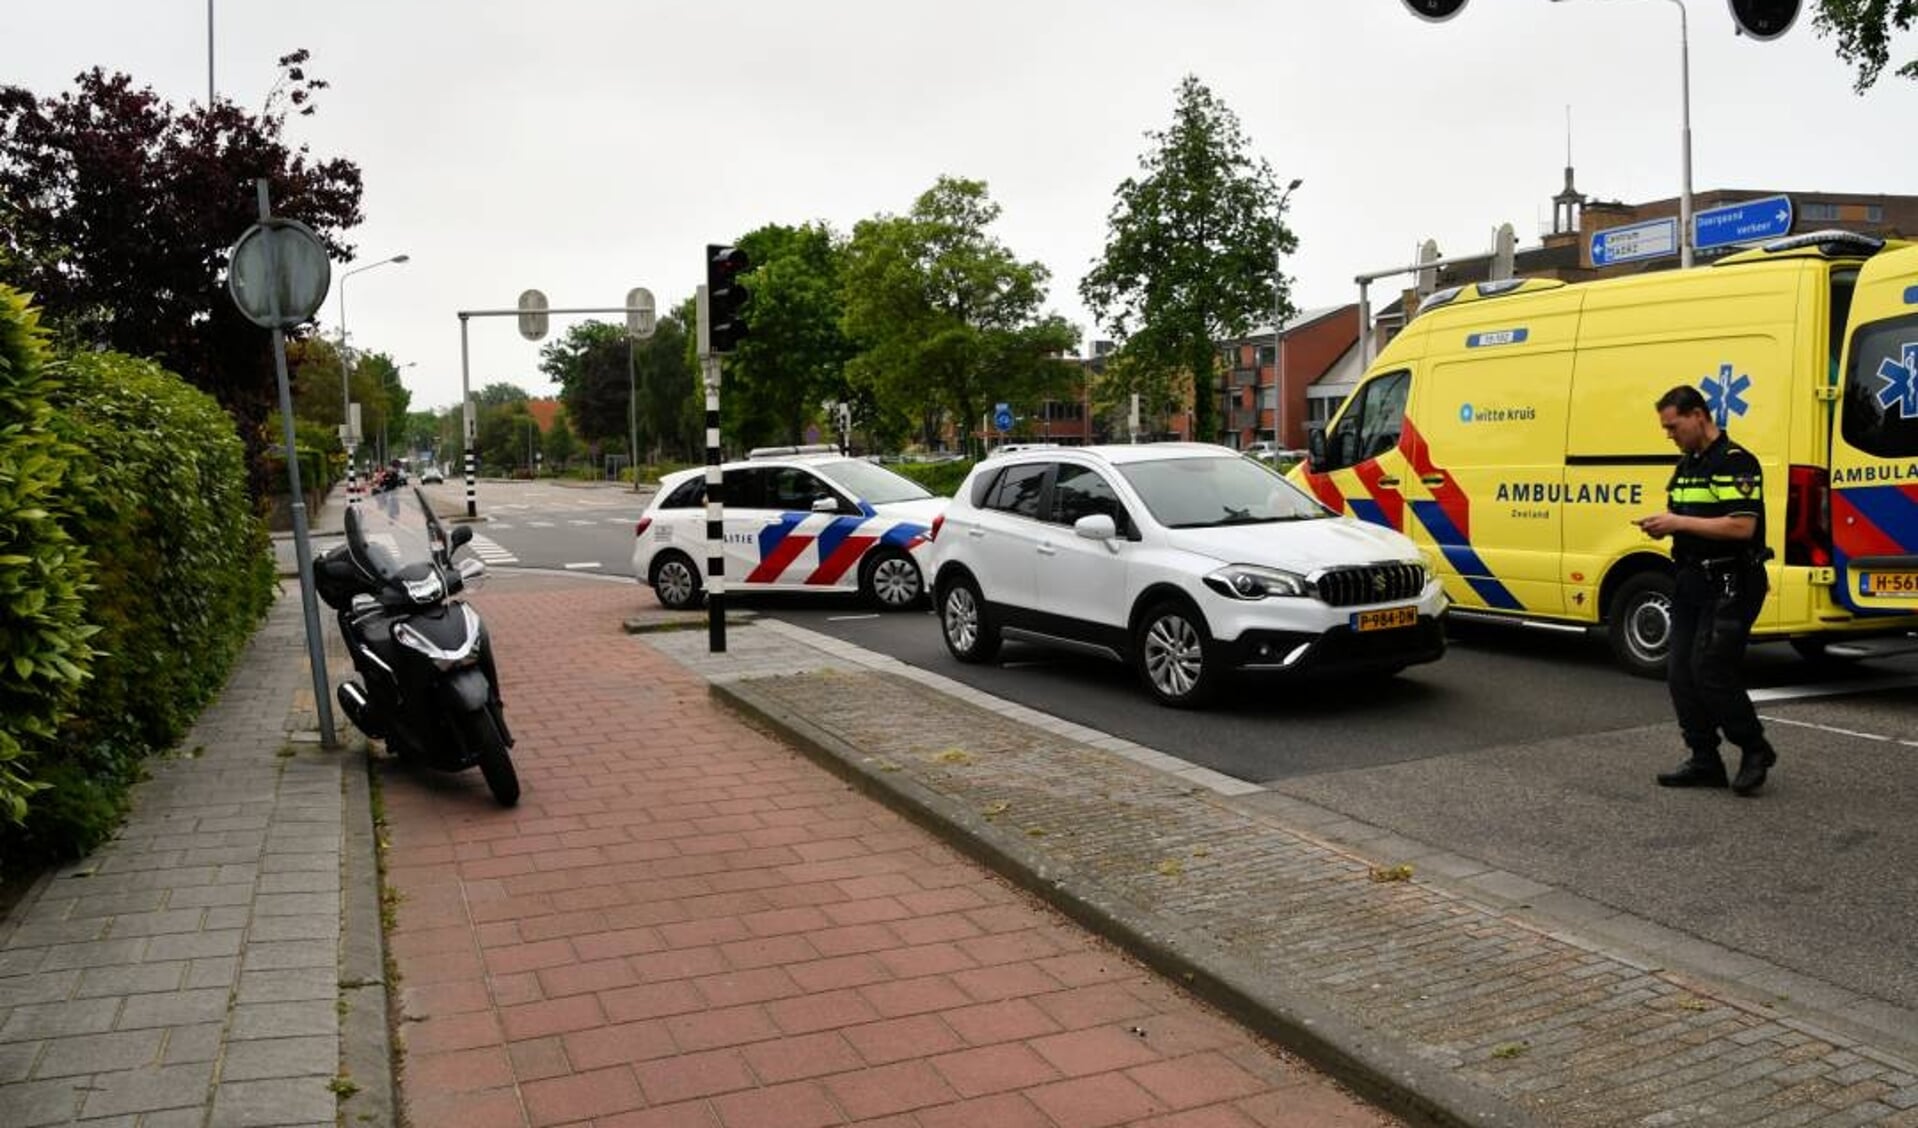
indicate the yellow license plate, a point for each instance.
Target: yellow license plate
{"x":1889,"y":583}
{"x":1385,"y":619}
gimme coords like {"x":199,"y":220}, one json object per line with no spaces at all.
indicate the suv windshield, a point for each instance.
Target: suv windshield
{"x":875,"y":485}
{"x":1197,"y":493}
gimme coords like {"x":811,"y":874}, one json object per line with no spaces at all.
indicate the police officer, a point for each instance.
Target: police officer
{"x":1716,"y":519}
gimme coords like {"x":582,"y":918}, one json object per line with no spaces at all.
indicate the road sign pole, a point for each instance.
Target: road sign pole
{"x":471,"y":429}
{"x":302,"y":550}
{"x":1685,"y":162}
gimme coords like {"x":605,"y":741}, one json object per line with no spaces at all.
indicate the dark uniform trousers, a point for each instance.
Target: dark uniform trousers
{"x":1713,"y":608}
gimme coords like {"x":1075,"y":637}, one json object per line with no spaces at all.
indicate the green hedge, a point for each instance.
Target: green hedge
{"x":942,"y":478}
{"x":182,"y":575}
{"x":44,"y":650}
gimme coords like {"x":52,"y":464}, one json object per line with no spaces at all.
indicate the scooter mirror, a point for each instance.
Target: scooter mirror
{"x":461,"y":534}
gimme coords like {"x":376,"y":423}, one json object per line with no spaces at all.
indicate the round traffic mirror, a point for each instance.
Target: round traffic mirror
{"x":278,"y":273}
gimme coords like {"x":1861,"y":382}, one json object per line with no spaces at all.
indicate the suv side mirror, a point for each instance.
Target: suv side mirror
{"x":1096,"y":526}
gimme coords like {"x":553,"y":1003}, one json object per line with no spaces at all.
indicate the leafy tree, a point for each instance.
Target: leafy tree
{"x":1863,"y":29}
{"x":560,"y":445}
{"x":503,"y":430}
{"x":591,"y":366}
{"x":1162,"y":393}
{"x":501,"y":394}
{"x":796,"y":354}
{"x":119,"y":210}
{"x":1189,"y":248}
{"x":948,"y":320}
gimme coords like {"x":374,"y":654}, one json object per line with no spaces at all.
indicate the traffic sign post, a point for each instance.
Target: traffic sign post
{"x":278,"y":274}
{"x":1749,"y":222}
{"x":1655,"y":238}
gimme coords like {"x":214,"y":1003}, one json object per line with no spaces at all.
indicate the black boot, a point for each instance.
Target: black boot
{"x":1752,"y":766}
{"x":1704,"y":769}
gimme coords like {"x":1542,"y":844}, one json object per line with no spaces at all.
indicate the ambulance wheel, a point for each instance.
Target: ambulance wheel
{"x":890,"y":580}
{"x":1174,"y":654}
{"x":1640,"y":624}
{"x":969,"y":633}
{"x":676,"y":581}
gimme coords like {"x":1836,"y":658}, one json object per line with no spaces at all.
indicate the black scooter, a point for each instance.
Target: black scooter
{"x":427,"y":684}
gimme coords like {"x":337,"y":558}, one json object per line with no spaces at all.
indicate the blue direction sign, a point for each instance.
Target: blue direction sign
{"x":1002,"y":417}
{"x":1748,"y":222}
{"x":1654,"y":238}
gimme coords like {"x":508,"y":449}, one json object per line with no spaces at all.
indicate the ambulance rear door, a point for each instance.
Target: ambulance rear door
{"x":1874,"y":448}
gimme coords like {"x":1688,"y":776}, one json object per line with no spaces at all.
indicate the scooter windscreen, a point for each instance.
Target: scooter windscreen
{"x":395,"y":539}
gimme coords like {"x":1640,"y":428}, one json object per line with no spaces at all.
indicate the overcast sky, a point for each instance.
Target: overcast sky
{"x":583,"y":147}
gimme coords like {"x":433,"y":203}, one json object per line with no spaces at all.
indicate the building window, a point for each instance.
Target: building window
{"x":1821,"y":212}
{"x":1265,"y":356}
{"x":1874,"y":213}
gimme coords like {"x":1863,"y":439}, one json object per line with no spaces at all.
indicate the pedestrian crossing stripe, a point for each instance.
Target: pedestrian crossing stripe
{"x":490,"y":550}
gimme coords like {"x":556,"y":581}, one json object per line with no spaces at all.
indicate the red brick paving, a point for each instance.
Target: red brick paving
{"x":685,"y":924}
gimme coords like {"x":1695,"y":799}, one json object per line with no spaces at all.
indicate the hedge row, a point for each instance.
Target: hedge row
{"x":181,"y":573}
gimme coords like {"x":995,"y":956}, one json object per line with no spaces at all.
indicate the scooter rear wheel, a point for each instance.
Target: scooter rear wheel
{"x":494,"y":761}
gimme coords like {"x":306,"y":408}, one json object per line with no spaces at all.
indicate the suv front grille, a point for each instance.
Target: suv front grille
{"x":1374,"y":583}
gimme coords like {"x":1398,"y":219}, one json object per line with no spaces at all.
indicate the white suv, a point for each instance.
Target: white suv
{"x":796,"y":519}
{"x":1184,"y":559}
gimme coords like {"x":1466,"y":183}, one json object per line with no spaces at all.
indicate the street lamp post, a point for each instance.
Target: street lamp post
{"x":346,"y":383}
{"x":1278,"y":292}
{"x":1685,"y":138}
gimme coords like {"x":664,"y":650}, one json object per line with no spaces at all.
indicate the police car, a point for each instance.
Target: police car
{"x":796,"y":519}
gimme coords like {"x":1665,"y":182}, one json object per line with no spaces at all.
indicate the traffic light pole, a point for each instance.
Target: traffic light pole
{"x":715,"y":483}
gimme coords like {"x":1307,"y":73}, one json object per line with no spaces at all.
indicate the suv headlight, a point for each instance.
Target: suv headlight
{"x":1250,"y":581}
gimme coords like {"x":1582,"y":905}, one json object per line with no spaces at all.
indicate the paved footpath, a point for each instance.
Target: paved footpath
{"x":203,"y":968}
{"x":685,"y":922}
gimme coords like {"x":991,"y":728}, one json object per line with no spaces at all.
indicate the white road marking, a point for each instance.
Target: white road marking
{"x":849,"y":618}
{"x":490,"y":550}
{"x":579,"y":521}
{"x":582,"y":564}
{"x":1831,"y":689}
{"x":1839,"y":731}
{"x":498,"y":525}
{"x":620,"y":520}
{"x":540,"y":524}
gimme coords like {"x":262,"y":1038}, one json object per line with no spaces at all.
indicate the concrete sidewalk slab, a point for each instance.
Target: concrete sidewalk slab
{"x":195,"y":969}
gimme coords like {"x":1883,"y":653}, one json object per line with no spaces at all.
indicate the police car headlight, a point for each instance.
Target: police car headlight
{"x":1250,"y":581}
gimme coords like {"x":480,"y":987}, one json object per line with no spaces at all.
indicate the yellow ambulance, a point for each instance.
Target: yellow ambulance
{"x":1509,"y":430}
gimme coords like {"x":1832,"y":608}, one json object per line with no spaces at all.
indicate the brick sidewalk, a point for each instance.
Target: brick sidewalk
{"x":687,"y":923}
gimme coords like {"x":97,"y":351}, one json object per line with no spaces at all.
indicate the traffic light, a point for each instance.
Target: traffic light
{"x":1435,"y":10}
{"x":725,"y":297}
{"x":1764,"y":19}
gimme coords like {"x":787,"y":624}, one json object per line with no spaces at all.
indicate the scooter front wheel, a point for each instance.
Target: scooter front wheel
{"x":489,"y":748}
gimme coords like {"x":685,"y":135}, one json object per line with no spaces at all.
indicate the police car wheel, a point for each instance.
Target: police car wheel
{"x":676,"y":582}
{"x":1640,"y":624}
{"x":969,"y":633}
{"x":891,"y":580}
{"x":1172,"y":651}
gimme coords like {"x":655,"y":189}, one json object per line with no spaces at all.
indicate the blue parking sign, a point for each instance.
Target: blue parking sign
{"x":1002,"y":417}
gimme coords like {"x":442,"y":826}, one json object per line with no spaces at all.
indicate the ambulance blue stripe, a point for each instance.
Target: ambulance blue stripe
{"x":1368,"y":511}
{"x":836,"y":534}
{"x":1911,"y":295}
{"x":1463,"y":558}
{"x":899,"y":536}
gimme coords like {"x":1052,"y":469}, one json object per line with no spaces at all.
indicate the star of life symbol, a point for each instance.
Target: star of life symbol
{"x":1725,"y":394}
{"x":1901,"y":381}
